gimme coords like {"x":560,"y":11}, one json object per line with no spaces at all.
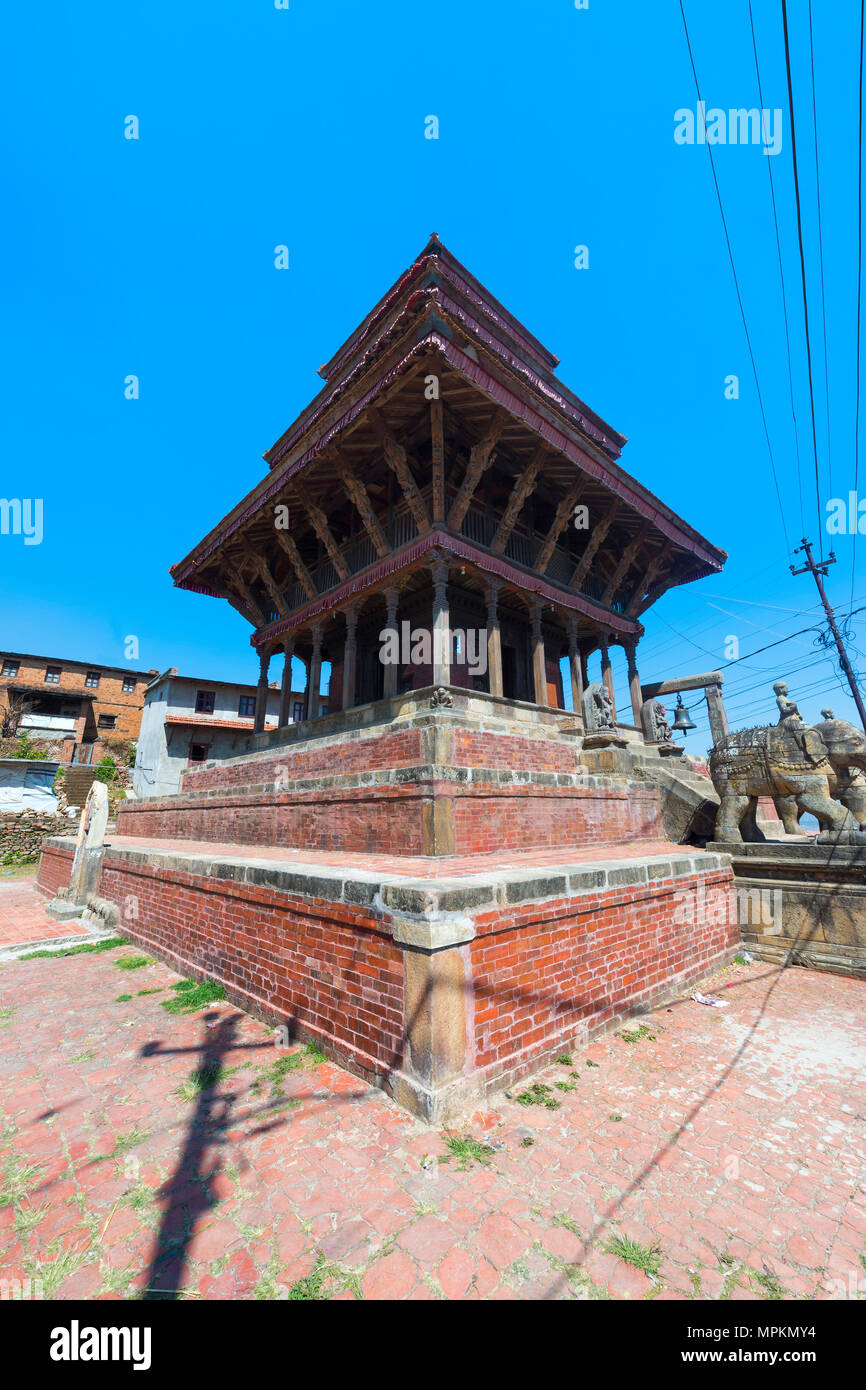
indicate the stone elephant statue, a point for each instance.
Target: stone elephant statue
{"x":803,"y":768}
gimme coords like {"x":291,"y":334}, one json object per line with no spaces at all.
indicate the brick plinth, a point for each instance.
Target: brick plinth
{"x":450,"y":781}
{"x":398,"y":816}
{"x":436,"y":989}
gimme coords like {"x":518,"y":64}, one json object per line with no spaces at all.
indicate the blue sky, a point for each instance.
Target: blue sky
{"x":261,"y":126}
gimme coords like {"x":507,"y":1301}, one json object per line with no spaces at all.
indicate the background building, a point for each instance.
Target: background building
{"x":188,"y":721}
{"x":79,"y":706}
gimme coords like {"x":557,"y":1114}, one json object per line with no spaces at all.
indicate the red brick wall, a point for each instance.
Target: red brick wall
{"x":401,"y":749}
{"x":55,"y":866}
{"x":326,"y":967}
{"x":109,"y":695}
{"x":543,"y":818}
{"x":542,"y":976}
{"x":389,"y":819}
{"x":502,"y":751}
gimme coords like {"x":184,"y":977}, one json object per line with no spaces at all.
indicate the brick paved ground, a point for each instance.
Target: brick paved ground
{"x":727,"y":1144}
{"x":23,"y":916}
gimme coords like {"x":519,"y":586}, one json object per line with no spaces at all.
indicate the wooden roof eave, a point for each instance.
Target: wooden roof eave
{"x":537,"y":415}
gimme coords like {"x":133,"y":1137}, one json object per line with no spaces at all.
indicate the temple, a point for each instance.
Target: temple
{"x":435,"y":480}
{"x":463,"y":858}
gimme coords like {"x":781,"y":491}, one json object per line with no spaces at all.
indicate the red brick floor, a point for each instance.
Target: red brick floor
{"x":23,"y":916}
{"x":730,"y":1143}
{"x":414,"y":866}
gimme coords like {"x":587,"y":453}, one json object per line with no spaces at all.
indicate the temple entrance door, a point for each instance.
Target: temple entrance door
{"x":509,"y":673}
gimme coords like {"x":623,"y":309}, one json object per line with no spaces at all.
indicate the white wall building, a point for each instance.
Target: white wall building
{"x":187,"y":721}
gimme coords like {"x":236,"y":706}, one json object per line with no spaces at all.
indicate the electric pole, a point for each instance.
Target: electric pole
{"x":817,"y":571}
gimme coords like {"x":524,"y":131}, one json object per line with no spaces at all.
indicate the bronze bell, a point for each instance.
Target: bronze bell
{"x":682,"y":723}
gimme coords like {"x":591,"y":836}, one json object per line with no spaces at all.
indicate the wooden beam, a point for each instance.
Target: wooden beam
{"x":560,"y":521}
{"x":523,"y":486}
{"x":271,"y":585}
{"x":437,"y":438}
{"x":659,"y":563}
{"x":599,"y":531}
{"x":652,"y":594}
{"x":704,"y":681}
{"x":243,"y":610}
{"x":302,"y":574}
{"x":626,"y":561}
{"x":480,"y":459}
{"x":319,"y":523}
{"x":240,"y":587}
{"x":397,"y":460}
{"x":358,"y":493}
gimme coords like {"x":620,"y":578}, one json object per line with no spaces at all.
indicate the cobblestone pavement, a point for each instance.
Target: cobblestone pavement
{"x":700,"y":1153}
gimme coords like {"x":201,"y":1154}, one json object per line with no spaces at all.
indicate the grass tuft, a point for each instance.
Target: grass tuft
{"x":88,"y":948}
{"x":538,"y":1094}
{"x":645,"y":1257}
{"x":132,"y":962}
{"x":638,"y":1034}
{"x":203,"y":1079}
{"x":467,"y":1151}
{"x":190,"y":996}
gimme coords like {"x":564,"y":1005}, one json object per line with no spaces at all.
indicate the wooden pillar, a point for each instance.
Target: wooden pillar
{"x":438,"y":457}
{"x":392,"y":668}
{"x":314,"y":673}
{"x":441,"y":625}
{"x":494,"y":641}
{"x":633,"y":678}
{"x":539,"y":669}
{"x":262,"y":692}
{"x":350,"y":656}
{"x":575,"y":667}
{"x":606,"y":672}
{"x":286,"y":686}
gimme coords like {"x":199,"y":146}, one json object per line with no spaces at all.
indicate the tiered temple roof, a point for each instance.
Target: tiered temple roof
{"x":378,"y":477}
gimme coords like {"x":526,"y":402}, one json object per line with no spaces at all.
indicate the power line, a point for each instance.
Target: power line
{"x":820,"y":252}
{"x":859,"y":277}
{"x":781,"y":276}
{"x":802,"y":268}
{"x":818,"y":572}
{"x":737,"y":287}
{"x":813,"y":627}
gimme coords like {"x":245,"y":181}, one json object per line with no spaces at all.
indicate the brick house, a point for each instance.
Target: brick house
{"x":82,"y":706}
{"x":187,"y":721}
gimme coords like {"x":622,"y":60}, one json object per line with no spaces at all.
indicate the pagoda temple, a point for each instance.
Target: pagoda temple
{"x":436,"y":480}
{"x":463,"y":859}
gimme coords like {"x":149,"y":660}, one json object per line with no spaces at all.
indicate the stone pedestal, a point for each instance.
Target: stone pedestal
{"x":802,"y":902}
{"x":605,"y":738}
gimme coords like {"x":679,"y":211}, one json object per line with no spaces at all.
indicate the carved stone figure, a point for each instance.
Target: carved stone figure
{"x":597,"y":708}
{"x":787,"y":761}
{"x":654,"y":723}
{"x":787,"y":707}
{"x":87,"y":861}
{"x":441,"y":698}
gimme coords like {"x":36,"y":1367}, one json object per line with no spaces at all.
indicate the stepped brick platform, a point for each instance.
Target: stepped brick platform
{"x":401,"y":777}
{"x":436,"y":978}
